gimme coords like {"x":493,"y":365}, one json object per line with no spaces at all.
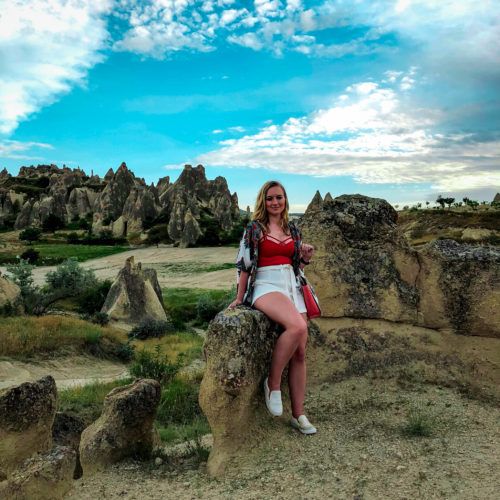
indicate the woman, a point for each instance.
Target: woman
{"x":271,"y":256}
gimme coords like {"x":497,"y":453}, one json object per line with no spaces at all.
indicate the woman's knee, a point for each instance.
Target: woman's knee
{"x":299,"y":331}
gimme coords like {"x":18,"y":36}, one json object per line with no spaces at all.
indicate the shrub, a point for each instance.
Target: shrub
{"x":8,"y":309}
{"x":30,"y":255}
{"x":153,"y":365}
{"x":93,"y":298}
{"x":209,"y":305}
{"x":71,"y":279}
{"x":100,"y":318}
{"x":150,"y":328}
{"x":419,"y":423}
{"x":72,"y":238}
{"x":92,"y":337}
{"x":30,"y":234}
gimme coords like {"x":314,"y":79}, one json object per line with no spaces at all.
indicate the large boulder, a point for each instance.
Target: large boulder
{"x":125,"y":427}
{"x":237,"y":349}
{"x":48,"y":476}
{"x":459,"y":288}
{"x":26,"y":416}
{"x":135,"y":295}
{"x":9,"y":291}
{"x":363,"y":265}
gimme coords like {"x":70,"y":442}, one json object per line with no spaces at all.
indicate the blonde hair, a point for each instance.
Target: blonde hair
{"x":260,"y":213}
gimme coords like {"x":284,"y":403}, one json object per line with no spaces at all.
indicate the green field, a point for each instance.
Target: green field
{"x":80,"y":252}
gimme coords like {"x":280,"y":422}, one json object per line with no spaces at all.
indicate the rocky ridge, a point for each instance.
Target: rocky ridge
{"x":120,"y":202}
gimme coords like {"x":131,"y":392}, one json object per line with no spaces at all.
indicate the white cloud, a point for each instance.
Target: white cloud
{"x":48,"y":46}
{"x":17,"y":149}
{"x":371,"y":134}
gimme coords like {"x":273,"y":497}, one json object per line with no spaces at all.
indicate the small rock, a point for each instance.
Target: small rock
{"x":158,"y":461}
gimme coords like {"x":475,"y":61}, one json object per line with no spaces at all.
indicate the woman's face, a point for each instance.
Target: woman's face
{"x":275,"y":200}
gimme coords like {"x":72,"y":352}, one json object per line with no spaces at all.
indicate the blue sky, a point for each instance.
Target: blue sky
{"x":393,"y":99}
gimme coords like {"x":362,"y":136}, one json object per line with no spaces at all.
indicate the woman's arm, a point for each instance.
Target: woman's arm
{"x":242,"y":286}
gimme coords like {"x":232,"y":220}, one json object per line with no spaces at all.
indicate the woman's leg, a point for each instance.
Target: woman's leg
{"x":297,"y":376}
{"x":280,"y":309}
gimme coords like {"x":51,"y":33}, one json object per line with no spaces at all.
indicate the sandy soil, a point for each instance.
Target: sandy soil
{"x":187,"y":274}
{"x":67,"y":372}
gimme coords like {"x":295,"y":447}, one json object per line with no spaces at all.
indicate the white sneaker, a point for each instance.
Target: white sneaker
{"x":303,"y":425}
{"x":273,"y":400}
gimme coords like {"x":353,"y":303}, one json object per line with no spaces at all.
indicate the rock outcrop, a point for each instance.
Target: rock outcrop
{"x":496,"y":199}
{"x":9,"y":291}
{"x":26,"y":416}
{"x":237,"y":350}
{"x":125,"y":427}
{"x":459,"y":288}
{"x":46,"y":476}
{"x":135,"y":295}
{"x":120,"y":202}
{"x":363,"y":266}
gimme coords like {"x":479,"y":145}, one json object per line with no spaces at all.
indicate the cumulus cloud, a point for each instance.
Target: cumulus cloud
{"x":47,"y":48}
{"x":373,"y":135}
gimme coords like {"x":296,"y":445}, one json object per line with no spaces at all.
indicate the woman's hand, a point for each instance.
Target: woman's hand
{"x":235,"y":303}
{"x":306,"y":251}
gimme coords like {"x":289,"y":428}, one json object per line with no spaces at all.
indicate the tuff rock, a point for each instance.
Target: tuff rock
{"x":237,"y":350}
{"x":67,"y":431}
{"x":48,"y":476}
{"x":26,"y":416}
{"x":363,"y":265}
{"x":9,"y":291}
{"x":125,"y":427}
{"x":459,"y":288}
{"x":135,"y":295}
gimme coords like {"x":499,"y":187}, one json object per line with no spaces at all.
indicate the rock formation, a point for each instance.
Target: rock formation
{"x":26,"y":416}
{"x":496,"y":199}
{"x":45,"y":476}
{"x":135,"y":295}
{"x":9,"y":291}
{"x":459,"y":288}
{"x":363,"y":266}
{"x":125,"y":427}
{"x":119,"y":202}
{"x":67,"y":431}
{"x":237,"y":350}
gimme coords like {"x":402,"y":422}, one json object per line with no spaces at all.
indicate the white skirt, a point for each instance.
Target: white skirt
{"x":278,"y":279}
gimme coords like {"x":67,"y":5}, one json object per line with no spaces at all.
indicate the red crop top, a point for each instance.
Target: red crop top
{"x":274,"y":252}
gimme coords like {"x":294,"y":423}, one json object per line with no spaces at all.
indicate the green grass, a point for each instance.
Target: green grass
{"x":181,"y":303}
{"x":420,"y":422}
{"x":176,"y":268}
{"x":80,"y":252}
{"x":26,"y":336}
{"x":86,"y":402}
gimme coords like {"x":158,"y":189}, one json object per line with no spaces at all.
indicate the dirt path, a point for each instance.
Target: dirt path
{"x":176,"y":267}
{"x":67,"y":372}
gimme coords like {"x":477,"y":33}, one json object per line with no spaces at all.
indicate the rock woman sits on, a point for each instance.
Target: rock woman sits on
{"x":270,"y":258}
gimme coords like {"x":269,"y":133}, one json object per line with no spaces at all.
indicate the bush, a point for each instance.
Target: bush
{"x":72,"y":238}
{"x":153,"y":365}
{"x":30,"y":234}
{"x":92,"y":300}
{"x":100,"y":318}
{"x":30,"y":256}
{"x":150,"y":328}
{"x":8,"y":310}
{"x":71,"y":279}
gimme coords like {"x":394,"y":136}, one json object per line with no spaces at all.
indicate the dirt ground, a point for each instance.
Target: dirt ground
{"x":176,"y":267}
{"x":359,"y":452}
{"x":365,"y":447}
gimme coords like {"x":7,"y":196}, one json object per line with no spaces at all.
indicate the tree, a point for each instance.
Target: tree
{"x":72,"y":238}
{"x":52,"y":223}
{"x":440,"y":201}
{"x":21,"y":275}
{"x":427,"y":203}
{"x":449,"y":201}
{"x":30,"y":235}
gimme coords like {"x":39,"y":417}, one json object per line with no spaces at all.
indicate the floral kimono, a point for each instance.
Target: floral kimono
{"x":248,"y":255}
